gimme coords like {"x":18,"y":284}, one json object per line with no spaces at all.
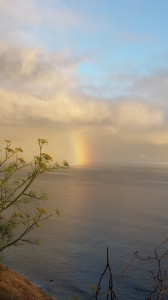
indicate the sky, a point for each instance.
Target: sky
{"x":89,"y":76}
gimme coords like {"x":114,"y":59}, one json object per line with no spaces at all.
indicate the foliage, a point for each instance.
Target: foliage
{"x":19,"y":209}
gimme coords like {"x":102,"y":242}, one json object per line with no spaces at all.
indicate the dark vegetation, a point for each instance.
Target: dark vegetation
{"x":21,"y":210}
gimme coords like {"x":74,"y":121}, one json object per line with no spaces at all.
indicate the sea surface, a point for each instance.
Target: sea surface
{"x":122,"y":207}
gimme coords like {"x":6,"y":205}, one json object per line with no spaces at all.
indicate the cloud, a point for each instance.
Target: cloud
{"x":40,"y":86}
{"x":34,"y":12}
{"x":18,"y":108}
{"x":44,"y":86}
{"x":36,"y":72}
{"x":21,"y":20}
{"x":139,"y":115}
{"x":41,"y":96}
{"x":153,"y":85}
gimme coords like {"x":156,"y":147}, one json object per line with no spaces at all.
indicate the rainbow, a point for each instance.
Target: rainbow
{"x":80,"y":150}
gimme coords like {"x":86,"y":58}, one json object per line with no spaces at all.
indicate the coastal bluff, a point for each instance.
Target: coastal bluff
{"x":15,"y":287}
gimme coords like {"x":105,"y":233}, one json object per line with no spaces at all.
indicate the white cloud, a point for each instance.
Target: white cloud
{"x":36,"y":85}
{"x":36,"y":72}
{"x":34,"y":12}
{"x":18,"y":108}
{"x":21,"y":20}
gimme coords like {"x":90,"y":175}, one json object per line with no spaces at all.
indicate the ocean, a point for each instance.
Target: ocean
{"x":123,"y":207}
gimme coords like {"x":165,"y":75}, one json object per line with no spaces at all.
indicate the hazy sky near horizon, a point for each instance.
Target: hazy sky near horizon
{"x":90,"y":76}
